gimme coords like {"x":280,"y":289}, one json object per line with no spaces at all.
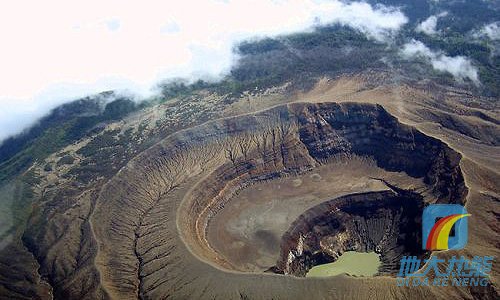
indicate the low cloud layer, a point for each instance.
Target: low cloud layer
{"x":429,"y":25}
{"x":492,"y":31}
{"x":59,"y":50}
{"x":459,"y":66}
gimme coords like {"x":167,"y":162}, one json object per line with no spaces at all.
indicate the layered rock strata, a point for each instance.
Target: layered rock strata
{"x":386,"y":222}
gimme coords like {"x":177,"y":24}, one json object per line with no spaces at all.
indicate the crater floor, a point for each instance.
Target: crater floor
{"x":247,"y":231}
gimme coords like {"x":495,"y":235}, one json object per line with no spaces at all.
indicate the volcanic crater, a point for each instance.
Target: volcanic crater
{"x":277,"y":191}
{"x":314,"y":182}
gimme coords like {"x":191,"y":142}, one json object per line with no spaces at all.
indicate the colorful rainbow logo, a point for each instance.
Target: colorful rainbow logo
{"x":440,"y":232}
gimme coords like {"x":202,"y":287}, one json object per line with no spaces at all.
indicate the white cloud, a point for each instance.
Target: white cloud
{"x":58,"y":50}
{"x":459,"y":66}
{"x":491,"y":30}
{"x":428,"y":26}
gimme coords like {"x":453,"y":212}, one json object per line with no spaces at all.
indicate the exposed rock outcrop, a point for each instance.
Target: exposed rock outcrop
{"x":387,"y":222}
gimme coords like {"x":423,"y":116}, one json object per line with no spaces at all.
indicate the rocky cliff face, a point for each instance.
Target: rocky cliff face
{"x":387,"y":222}
{"x":332,"y":129}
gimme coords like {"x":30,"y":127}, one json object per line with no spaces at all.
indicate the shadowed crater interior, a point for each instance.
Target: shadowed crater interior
{"x":386,"y":222}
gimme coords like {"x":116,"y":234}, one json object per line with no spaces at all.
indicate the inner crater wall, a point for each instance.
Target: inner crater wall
{"x":298,"y":137}
{"x":386,"y":222}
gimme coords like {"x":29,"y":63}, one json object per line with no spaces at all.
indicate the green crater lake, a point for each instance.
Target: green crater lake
{"x":350,"y":262}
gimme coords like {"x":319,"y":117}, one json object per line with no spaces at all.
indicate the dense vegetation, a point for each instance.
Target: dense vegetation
{"x":304,"y":56}
{"x":299,"y":58}
{"x":458,"y":28}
